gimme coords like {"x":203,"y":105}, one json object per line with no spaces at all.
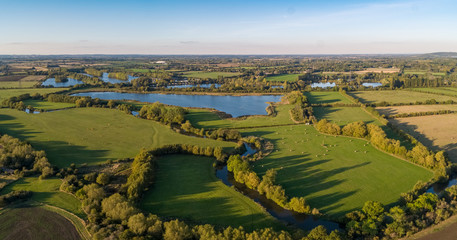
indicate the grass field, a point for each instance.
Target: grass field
{"x":339,"y":180}
{"x":141,"y":70}
{"x":397,"y":96}
{"x":326,"y":97}
{"x":35,"y":223}
{"x":214,"y":75}
{"x":283,"y":78}
{"x":437,"y":131}
{"x":91,"y":135}
{"x":440,"y":90}
{"x":7,"y":93}
{"x":20,"y":81}
{"x":186,"y":187}
{"x":414,"y":108}
{"x":47,"y":191}
{"x":202,"y":118}
{"x":38,"y":104}
{"x":18,"y":84}
{"x":343,"y":115}
{"x":419,"y":72}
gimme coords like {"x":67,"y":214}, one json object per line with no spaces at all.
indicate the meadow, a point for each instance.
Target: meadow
{"x":20,"y":81}
{"x":47,"y":191}
{"x":45,"y":105}
{"x":284,"y":78}
{"x":397,"y":96}
{"x":213,"y":75}
{"x":422,"y":72}
{"x":326,"y":98}
{"x":92,"y":135}
{"x":440,"y":136}
{"x":336,"y":174}
{"x":202,"y":118}
{"x":414,"y":108}
{"x":440,"y":90}
{"x":35,"y":223}
{"x":186,"y":187}
{"x":7,"y":93}
{"x":343,"y":115}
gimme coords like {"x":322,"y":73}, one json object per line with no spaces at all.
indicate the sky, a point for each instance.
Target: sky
{"x":227,"y":27}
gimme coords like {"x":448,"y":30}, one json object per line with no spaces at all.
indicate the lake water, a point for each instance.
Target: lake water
{"x":107,"y":79}
{"x":190,"y":85}
{"x":373,"y":85}
{"x":69,"y":83}
{"x":234,"y":105}
{"x":323,"y":85}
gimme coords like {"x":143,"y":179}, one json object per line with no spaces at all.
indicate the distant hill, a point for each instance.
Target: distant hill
{"x":441,"y":54}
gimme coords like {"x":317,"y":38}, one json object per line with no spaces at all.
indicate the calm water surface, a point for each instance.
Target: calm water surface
{"x":373,"y":85}
{"x":323,"y":85}
{"x":234,"y":105}
{"x":69,"y":83}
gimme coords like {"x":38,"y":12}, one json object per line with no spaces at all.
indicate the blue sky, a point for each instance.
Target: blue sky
{"x":226,"y":27}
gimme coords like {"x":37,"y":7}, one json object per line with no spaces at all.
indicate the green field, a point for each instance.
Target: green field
{"x":343,"y":115}
{"x":213,"y":75}
{"x":47,"y":191}
{"x":397,"y":96}
{"x":419,"y":72}
{"x":283,"y":78}
{"x":17,"y":84}
{"x":7,"y":93}
{"x":440,"y":90}
{"x":202,"y":118}
{"x":38,"y":104}
{"x":91,"y":135}
{"x":35,"y":223}
{"x":339,"y":180}
{"x":186,"y":187}
{"x":326,"y":98}
{"x":141,"y":70}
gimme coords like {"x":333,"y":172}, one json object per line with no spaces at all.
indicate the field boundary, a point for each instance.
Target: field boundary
{"x":79,"y":223}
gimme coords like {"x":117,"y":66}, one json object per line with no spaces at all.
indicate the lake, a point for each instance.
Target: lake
{"x":373,"y":85}
{"x":234,"y":105}
{"x":69,"y":83}
{"x":323,"y":85}
{"x":197,"y":85}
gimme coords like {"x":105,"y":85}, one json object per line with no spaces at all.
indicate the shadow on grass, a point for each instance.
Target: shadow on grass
{"x":319,"y":99}
{"x":59,"y":153}
{"x":310,"y":180}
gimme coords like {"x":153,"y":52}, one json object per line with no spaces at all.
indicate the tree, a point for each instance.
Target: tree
{"x":176,"y":230}
{"x":103,"y":179}
{"x":117,"y":207}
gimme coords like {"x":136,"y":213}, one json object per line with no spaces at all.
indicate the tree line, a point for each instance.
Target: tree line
{"x":419,"y":154}
{"x":243,"y":174}
{"x":21,"y":157}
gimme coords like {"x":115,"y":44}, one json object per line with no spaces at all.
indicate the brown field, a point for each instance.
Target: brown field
{"x":437,"y":131}
{"x":34,"y":78}
{"x":11,"y":78}
{"x":35,"y":223}
{"x":368,"y":70}
{"x":379,"y":70}
{"x":443,"y":231}
{"x":414,"y":108}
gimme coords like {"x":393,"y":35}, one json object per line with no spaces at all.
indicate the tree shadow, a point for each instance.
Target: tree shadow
{"x":319,"y":99}
{"x":413,"y":131}
{"x":59,"y":153}
{"x":387,"y":111}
